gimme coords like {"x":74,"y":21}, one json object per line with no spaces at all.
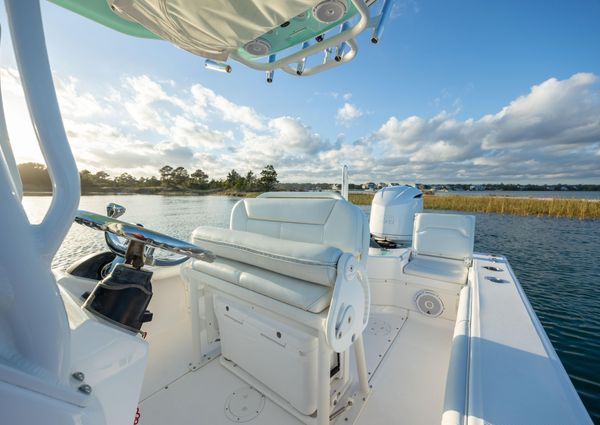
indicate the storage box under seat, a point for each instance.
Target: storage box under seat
{"x":280,"y":356}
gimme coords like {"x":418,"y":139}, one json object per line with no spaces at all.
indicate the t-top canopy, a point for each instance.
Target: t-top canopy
{"x":251,"y":32}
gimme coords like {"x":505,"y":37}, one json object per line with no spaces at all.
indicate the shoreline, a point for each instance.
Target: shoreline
{"x":581,"y":209}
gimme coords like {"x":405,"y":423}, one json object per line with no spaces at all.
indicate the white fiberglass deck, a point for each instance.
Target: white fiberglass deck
{"x":408,"y":381}
{"x":422,"y":370}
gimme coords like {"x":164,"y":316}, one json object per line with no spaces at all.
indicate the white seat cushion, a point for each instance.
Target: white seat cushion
{"x":295,"y":292}
{"x":444,"y":235}
{"x":442,"y":247}
{"x":310,"y":218}
{"x":302,"y":260}
{"x":435,"y":268}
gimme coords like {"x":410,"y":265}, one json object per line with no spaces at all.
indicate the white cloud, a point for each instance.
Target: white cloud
{"x":73,"y":102}
{"x":189,"y":132}
{"x":348,"y":113}
{"x":285,"y":140}
{"x":550,"y":133}
{"x":149,"y":104}
{"x":206,"y":100}
{"x":555,"y":112}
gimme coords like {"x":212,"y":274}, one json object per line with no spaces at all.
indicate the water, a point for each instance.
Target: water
{"x":556,"y":261}
{"x":525,"y":194}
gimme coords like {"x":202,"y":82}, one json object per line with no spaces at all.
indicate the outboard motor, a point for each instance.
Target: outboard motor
{"x":392,"y":215}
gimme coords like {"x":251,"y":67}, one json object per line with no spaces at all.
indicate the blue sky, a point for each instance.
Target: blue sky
{"x":456,"y":91}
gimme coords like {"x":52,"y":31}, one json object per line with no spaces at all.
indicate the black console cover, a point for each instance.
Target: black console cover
{"x":123,"y":297}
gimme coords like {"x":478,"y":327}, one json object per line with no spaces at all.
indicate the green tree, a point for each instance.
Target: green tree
{"x":199,"y":178}
{"x":250,"y":181}
{"x":87,"y":179}
{"x":180,"y":177}
{"x":101,"y":178}
{"x":125,"y":180}
{"x":233,"y":179}
{"x":152,"y":182}
{"x":268,"y":178}
{"x":34,"y":176}
{"x":166,"y":175}
{"x":217,"y":184}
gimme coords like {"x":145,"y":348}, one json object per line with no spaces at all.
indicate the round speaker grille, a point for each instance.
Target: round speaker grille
{"x":258,"y":47}
{"x":329,"y":11}
{"x":429,"y":303}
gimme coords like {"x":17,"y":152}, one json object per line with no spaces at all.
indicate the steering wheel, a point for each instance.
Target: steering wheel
{"x":141,"y":241}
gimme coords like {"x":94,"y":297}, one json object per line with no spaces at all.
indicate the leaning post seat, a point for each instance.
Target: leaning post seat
{"x":290,"y":290}
{"x":442,"y":247}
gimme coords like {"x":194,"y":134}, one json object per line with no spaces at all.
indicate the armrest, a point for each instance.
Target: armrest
{"x":314,"y":263}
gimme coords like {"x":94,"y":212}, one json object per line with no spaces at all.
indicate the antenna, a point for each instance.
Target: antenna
{"x":345,"y":182}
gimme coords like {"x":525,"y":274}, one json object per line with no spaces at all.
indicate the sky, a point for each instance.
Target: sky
{"x":456,"y":91}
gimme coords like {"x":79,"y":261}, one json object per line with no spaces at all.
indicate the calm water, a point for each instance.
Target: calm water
{"x":556,"y":261}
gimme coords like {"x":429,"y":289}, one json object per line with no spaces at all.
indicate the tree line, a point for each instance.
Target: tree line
{"x":35,"y":178}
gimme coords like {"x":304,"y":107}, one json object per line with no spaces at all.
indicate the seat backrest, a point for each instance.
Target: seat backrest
{"x":444,"y":235}
{"x":305,"y":217}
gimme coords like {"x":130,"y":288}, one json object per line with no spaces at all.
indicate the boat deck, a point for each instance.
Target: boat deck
{"x":407,"y":359}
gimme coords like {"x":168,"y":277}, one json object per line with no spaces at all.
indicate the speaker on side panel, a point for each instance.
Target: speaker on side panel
{"x":429,"y":303}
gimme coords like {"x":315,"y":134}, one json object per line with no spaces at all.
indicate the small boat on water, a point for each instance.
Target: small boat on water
{"x":302,"y":311}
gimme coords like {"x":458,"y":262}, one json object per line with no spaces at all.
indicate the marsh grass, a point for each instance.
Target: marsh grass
{"x":570,"y":208}
{"x":361,"y":198}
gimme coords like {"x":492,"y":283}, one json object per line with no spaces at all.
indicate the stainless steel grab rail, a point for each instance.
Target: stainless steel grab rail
{"x":142,"y":235}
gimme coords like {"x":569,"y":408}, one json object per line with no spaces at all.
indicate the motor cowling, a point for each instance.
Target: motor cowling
{"x":392,"y":214}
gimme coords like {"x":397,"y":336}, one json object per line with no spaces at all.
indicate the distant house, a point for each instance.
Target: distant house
{"x":476,"y":187}
{"x":369,"y":186}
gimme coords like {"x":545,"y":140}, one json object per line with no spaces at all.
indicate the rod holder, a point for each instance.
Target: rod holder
{"x":327,"y":54}
{"x":342,"y":47}
{"x":385,"y":12}
{"x":213,"y":65}
{"x":302,"y":62}
{"x":271,"y":72}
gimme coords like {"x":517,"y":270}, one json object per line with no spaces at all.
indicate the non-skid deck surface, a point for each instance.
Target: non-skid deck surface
{"x":200,"y":397}
{"x":402,"y":355}
{"x":385,"y":323}
{"x":408,"y":386}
